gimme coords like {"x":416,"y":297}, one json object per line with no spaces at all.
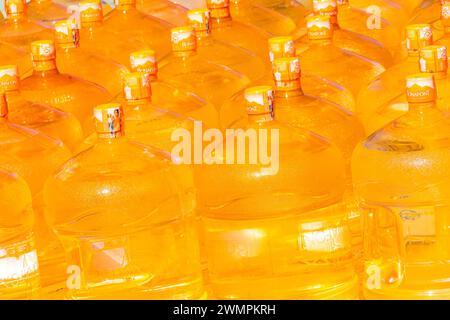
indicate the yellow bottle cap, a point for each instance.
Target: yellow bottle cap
{"x":319,"y":27}
{"x":9,"y":78}
{"x":183,"y":39}
{"x":445,"y":14}
{"x":144,"y":61}
{"x":420,"y":88}
{"x":280,"y":47}
{"x":3,"y":105}
{"x":67,"y":33}
{"x":43,"y":50}
{"x":286,"y":73}
{"x":259,"y":100}
{"x":433,"y":59}
{"x":199,"y":19}
{"x":219,"y":8}
{"x":136,"y":86}
{"x":109,"y":120}
{"x":91,"y":11}
{"x":418,"y":36}
{"x":15,"y":7}
{"x":326,"y":8}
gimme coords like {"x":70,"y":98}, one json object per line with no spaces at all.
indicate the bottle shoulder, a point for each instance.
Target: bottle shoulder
{"x":15,"y":201}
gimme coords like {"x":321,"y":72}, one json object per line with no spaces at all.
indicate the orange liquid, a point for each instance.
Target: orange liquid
{"x":19,"y":57}
{"x":163,"y":9}
{"x":35,"y":156}
{"x":261,"y":239}
{"x":266,"y":19}
{"x":19,"y":272}
{"x":240,"y":60}
{"x":47,"y":11}
{"x":375,"y":103}
{"x":192,"y":73}
{"x":19,"y":31}
{"x":353,"y":72}
{"x":81,"y":63}
{"x":242,"y":35}
{"x":358,"y":15}
{"x":65,"y":92}
{"x":125,"y":229}
{"x":43,"y":118}
{"x":296,"y":11}
{"x":126,"y":22}
{"x":400,"y":176}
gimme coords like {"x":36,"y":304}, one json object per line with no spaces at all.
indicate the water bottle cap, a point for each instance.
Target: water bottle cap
{"x":280,"y":47}
{"x":433,"y":59}
{"x":144,"y":61}
{"x":136,"y":86}
{"x":91,"y":11}
{"x":319,"y":27}
{"x":183,"y":39}
{"x":109,"y":120}
{"x":43,"y":50}
{"x":259,"y":100}
{"x":199,"y":19}
{"x":67,"y":32}
{"x":9,"y":78}
{"x":420,"y":88}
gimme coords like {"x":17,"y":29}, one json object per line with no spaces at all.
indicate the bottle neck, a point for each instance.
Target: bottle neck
{"x":184,"y":54}
{"x":46,"y":67}
{"x":335,"y":23}
{"x":12,"y":93}
{"x":125,"y":8}
{"x":283,"y":93}
{"x":260,"y":118}
{"x":64,"y":48}
{"x":90,"y":26}
{"x":439,"y":75}
{"x":16,"y":18}
{"x":416,"y":107}
{"x":413,"y":55}
{"x":203,"y":36}
{"x":221,"y":23}
{"x":321,"y":42}
{"x":136,"y":103}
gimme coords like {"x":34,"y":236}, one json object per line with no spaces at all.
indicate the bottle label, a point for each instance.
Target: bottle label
{"x":416,"y":221}
{"x":18,"y":260}
{"x":326,"y":240}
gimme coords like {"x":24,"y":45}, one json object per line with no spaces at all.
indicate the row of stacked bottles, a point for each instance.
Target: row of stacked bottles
{"x":119,"y":135}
